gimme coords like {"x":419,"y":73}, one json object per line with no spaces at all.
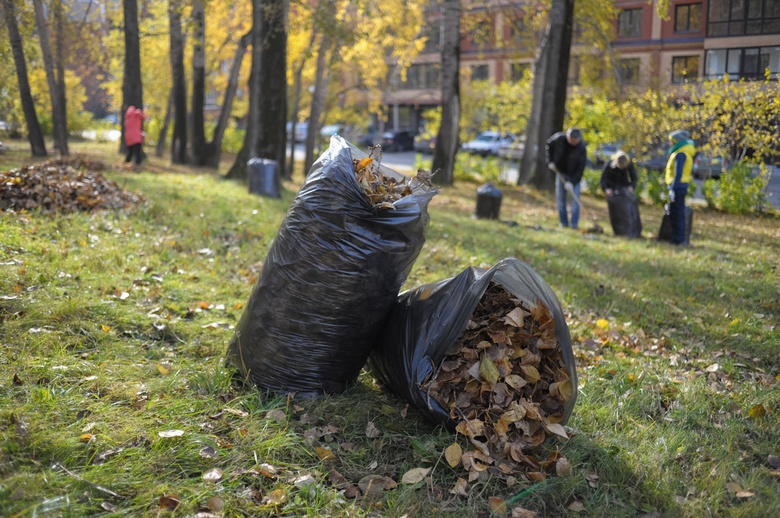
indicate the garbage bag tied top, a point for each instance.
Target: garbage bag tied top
{"x":331,"y":277}
{"x":429,"y":319}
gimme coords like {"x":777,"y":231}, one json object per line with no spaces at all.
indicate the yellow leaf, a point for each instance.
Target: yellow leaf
{"x":530,"y":373}
{"x":276,"y":497}
{"x":602,"y":323}
{"x":106,"y":329}
{"x":165,"y":368}
{"x":453,"y":454}
{"x":757,"y":411}
{"x":488,"y":371}
{"x":86,"y":437}
{"x":204,"y":305}
{"x":565,"y":389}
{"x":734,"y":321}
{"x":324,"y":453}
{"x":415,"y":475}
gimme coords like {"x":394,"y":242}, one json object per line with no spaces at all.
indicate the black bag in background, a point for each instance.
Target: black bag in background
{"x":427,"y":321}
{"x":665,"y":233}
{"x":331,"y":277}
{"x":624,"y":214}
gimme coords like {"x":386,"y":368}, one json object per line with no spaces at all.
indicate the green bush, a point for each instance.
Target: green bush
{"x":651,"y":185}
{"x":468,"y":168}
{"x":738,"y":191}
{"x":591,"y":182}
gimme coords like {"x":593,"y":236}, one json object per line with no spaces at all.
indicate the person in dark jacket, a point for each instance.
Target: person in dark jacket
{"x":566,"y":156}
{"x":618,"y":174}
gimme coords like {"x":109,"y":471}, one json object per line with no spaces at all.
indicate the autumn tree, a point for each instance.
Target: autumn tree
{"x":59,"y":114}
{"x":132,"y":88}
{"x":447,"y":138}
{"x":179,"y":141}
{"x":34,"y":133}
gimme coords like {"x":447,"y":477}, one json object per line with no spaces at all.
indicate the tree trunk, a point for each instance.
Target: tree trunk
{"x":532,"y":141}
{"x":62,"y":106}
{"x":296,"y":104}
{"x":199,"y":151}
{"x":248,"y":150}
{"x":60,"y":126}
{"x":447,"y":139}
{"x":34,"y":133}
{"x":164,"y":130}
{"x":132,"y":89}
{"x":553,"y":90}
{"x":271,"y":133}
{"x":179,"y":140}
{"x":214,"y":148}
{"x":321,"y":81}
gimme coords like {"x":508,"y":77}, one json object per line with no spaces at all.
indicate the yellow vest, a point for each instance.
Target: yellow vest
{"x":689,"y":151}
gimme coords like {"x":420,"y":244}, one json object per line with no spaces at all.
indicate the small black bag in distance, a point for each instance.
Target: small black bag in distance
{"x":624,"y":214}
{"x":331,"y":277}
{"x":665,"y":232}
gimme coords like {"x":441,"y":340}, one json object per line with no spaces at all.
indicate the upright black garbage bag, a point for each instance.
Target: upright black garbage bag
{"x":331,"y":277}
{"x":665,"y":232}
{"x":624,"y":214}
{"x":428,"y":320}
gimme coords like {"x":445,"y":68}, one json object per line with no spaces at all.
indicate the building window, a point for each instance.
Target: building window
{"x":519,"y":70}
{"x":479,"y":73}
{"x":629,"y":71}
{"x":739,"y":17}
{"x":685,"y":68}
{"x":630,"y":23}
{"x":687,"y":18}
{"x":422,"y":76}
{"x":747,"y":63}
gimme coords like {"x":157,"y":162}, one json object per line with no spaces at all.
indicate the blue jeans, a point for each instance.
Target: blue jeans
{"x":560,"y":199}
{"x":677,"y":214}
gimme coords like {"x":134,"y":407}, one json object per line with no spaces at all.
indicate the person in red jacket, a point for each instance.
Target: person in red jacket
{"x":134,"y":137}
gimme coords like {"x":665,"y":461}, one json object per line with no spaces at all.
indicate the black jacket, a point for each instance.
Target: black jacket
{"x":570,"y":160}
{"x":614,"y":178}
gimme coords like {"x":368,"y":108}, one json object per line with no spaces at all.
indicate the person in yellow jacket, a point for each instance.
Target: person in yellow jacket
{"x":678,"y":176}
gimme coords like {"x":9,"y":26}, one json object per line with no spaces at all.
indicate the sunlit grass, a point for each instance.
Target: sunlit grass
{"x":113,"y":327}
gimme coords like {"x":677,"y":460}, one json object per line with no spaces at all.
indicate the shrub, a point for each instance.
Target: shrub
{"x":592,"y":182}
{"x":651,"y":184}
{"x":739,"y":191}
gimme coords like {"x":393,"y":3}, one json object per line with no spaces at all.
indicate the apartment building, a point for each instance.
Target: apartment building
{"x":700,"y":39}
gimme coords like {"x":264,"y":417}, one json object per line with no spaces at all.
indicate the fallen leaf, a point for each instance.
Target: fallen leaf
{"x":165,"y":367}
{"x":372,"y":432}
{"x":415,"y":475}
{"x":324,"y":453}
{"x":212,"y":475}
{"x":275,"y":497}
{"x":565,"y":389}
{"x":563,"y":467}
{"x":304,"y":481}
{"x":171,"y":433}
{"x":453,"y":454}
{"x":169,"y":502}
{"x":267,"y":470}
{"x":208,"y":453}
{"x":733,"y":487}
{"x":277,"y":415}
{"x":557,"y":429}
{"x":215,"y":504}
{"x":106,"y":329}
{"x":602,"y":323}
{"x":757,"y":411}
{"x":460,"y":487}
{"x":237,"y":412}
{"x":497,"y":505}
{"x":576,"y":506}
{"x":519,"y":512}
{"x":745,"y":494}
{"x":86,"y":437}
{"x":108,"y":506}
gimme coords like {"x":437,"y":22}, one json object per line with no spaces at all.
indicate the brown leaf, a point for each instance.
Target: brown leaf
{"x":557,"y":429}
{"x":460,"y":487}
{"x":169,"y":502}
{"x":516,"y":317}
{"x":212,"y":475}
{"x":497,"y":505}
{"x":757,"y":411}
{"x":530,"y":373}
{"x":472,"y":428}
{"x":275,"y":497}
{"x":519,"y":512}
{"x":324,"y":453}
{"x":563,"y":467}
{"x":576,"y":506}
{"x":745,"y":494}
{"x":208,"y":453}
{"x":267,"y":470}
{"x":277,"y":415}
{"x":372,"y":432}
{"x":565,"y":389}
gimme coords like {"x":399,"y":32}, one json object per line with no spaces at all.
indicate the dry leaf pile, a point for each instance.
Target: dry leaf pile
{"x":63,"y":184}
{"x":380,"y":190}
{"x":506,"y":383}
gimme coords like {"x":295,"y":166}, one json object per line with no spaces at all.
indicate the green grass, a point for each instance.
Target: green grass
{"x":90,"y":376}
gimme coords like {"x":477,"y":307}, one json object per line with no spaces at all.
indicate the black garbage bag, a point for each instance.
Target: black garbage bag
{"x":428,"y":320}
{"x":331,"y":277}
{"x":624,"y":214}
{"x":665,"y":232}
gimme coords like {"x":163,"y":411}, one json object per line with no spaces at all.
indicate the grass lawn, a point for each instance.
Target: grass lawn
{"x":114,"y":399}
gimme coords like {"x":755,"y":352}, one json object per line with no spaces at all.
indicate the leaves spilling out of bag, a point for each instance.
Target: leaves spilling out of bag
{"x":63,"y":184}
{"x":505,"y":382}
{"x":382,"y":190}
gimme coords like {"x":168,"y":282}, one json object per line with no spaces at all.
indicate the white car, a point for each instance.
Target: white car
{"x":488,"y":143}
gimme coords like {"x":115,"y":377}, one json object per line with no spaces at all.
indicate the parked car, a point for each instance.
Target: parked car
{"x":512,"y":151}
{"x":705,"y":166}
{"x":397,"y":140}
{"x":4,"y":126}
{"x":488,"y":143}
{"x":301,"y":130}
{"x":656,"y":159}
{"x":425,"y":142}
{"x":329,"y":130}
{"x":368,"y":138}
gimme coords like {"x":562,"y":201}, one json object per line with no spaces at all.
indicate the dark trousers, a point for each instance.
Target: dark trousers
{"x":677,"y":214}
{"x":135,"y":149}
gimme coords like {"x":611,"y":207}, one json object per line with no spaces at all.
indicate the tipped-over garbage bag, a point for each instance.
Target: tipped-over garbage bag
{"x":331,"y":277}
{"x":428,"y":320}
